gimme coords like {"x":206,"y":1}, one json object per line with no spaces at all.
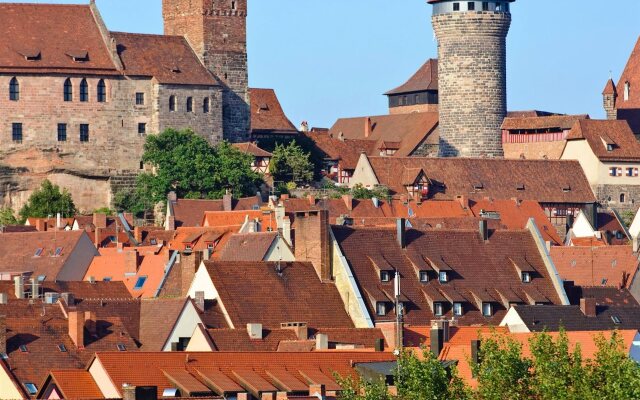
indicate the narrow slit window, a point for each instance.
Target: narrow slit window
{"x":14,"y":90}
{"x":102,"y":91}
{"x":68,"y":90}
{"x":84,"y":91}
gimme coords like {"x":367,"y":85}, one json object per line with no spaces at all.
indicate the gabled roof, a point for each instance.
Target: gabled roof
{"x":558,"y":122}
{"x":73,"y":384}
{"x":610,"y":88}
{"x":476,"y":268}
{"x":347,"y":151}
{"x":189,"y":212}
{"x":571,"y":318}
{"x":613,"y":266}
{"x":247,"y":246}
{"x":168,"y":59}
{"x":631,"y":74}
{"x":255,"y":292}
{"x":614,"y":133}
{"x":426,"y":78}
{"x":158,"y":318}
{"x":545,"y":181}
{"x":267,"y":115}
{"x":52,"y":33}
{"x":252,"y":148}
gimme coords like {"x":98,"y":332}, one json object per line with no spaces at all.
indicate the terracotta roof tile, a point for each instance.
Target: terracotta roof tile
{"x":80,"y":289}
{"x":267,"y":116}
{"x":76,"y":384}
{"x":252,"y":148}
{"x":157,"y":320}
{"x":190,"y":212}
{"x":247,"y":246}
{"x":426,"y":78}
{"x":600,"y":134}
{"x":557,"y":122}
{"x":631,"y":74}
{"x":610,"y":88}
{"x":346,"y":151}
{"x":224,"y":219}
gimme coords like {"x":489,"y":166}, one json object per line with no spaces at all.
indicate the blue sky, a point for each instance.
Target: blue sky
{"x":334,"y":58}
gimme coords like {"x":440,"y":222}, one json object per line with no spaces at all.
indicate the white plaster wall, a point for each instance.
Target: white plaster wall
{"x":185,"y":325}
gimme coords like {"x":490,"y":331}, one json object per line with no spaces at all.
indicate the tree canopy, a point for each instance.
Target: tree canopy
{"x":48,"y":200}
{"x":291,"y":164}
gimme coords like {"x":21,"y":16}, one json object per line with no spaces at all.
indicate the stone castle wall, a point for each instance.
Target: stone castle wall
{"x":472,"y":82}
{"x":609,"y":196}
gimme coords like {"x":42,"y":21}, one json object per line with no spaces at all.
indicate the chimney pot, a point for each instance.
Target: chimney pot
{"x":227,"y":201}
{"x":322,"y":341}
{"x":588,"y":306}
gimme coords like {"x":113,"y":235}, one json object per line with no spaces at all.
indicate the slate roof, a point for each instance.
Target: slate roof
{"x":426,"y":78}
{"x":267,"y":115}
{"x":599,"y":134}
{"x":571,"y":318}
{"x":613,"y":266}
{"x":552,"y":122}
{"x":254,"y":292}
{"x":604,"y":295}
{"x":545,"y":181}
{"x":476,"y":269}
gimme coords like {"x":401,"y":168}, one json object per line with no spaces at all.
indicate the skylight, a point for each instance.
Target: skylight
{"x":62,"y":348}
{"x":58,"y":251}
{"x":616,"y":320}
{"x":140,"y":283}
{"x":121,"y":347}
{"x":38,"y":252}
{"x":23,"y":348}
{"x":31,"y":388}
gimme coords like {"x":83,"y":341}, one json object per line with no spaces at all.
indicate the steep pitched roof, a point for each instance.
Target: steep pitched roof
{"x":168,"y":59}
{"x":610,"y":88}
{"x":157,"y":319}
{"x":614,"y":134}
{"x":254,"y":292}
{"x":426,"y":78}
{"x":252,"y":148}
{"x":476,"y":269}
{"x":347,"y":151}
{"x":557,"y":122}
{"x":631,"y":74}
{"x":52,"y":34}
{"x":189,"y":212}
{"x":596,"y":266}
{"x":545,"y":181}
{"x":74,"y":384}
{"x":247,"y":246}
{"x":571,"y":318}
{"x":267,"y":115}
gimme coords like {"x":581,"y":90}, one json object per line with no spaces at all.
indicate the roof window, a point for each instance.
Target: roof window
{"x":616,"y":320}
{"x":79,"y":55}
{"x":478,"y":186}
{"x":385,"y":276}
{"x":23,"y":348}
{"x":30,"y":54}
{"x":526,"y":277}
{"x":627,"y":90}
{"x":38,"y":252}
{"x":58,"y":252}
{"x":32,"y":389}
{"x":62,"y":348}
{"x":121,"y":347}
{"x":140,"y":283}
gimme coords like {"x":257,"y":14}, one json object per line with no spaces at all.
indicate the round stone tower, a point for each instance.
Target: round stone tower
{"x":472,"y":76}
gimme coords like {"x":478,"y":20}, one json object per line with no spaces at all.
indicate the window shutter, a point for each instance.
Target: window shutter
{"x":635,"y":172}
{"x":619,"y":171}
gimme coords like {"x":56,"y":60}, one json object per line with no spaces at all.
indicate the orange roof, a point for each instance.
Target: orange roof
{"x":237,"y":218}
{"x":588,"y":241}
{"x":199,"y":238}
{"x":610,"y":140}
{"x":267,"y":115}
{"x":74,"y":384}
{"x":431,"y":209}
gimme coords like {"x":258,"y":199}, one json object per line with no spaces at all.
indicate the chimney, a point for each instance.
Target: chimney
{"x":76,"y":328}
{"x":286,"y":230}
{"x":484,"y":230}
{"x":588,"y":306}
{"x":100,"y":220}
{"x":19,"y":287}
{"x":35,"y":288}
{"x":128,"y":392}
{"x":268,"y":396}
{"x":3,"y":334}
{"x":137,"y":234}
{"x":254,"y":331}
{"x":227,"y":201}
{"x":284,"y":196}
{"x":130,"y":262}
{"x":199,"y":300}
{"x":348,"y":201}
{"x":58,"y":221}
{"x":300,"y":328}
{"x":312,"y":200}
{"x":41,"y":225}
{"x":96,"y":237}
{"x":319,"y":391}
{"x":280,"y":215}
{"x":172,"y":197}
{"x":463,"y":201}
{"x":171,"y":224}
{"x":90,"y":322}
{"x":313,"y":242}
{"x":367,"y":127}
{"x":322,"y":341}
{"x":4,"y":298}
{"x":189,"y":264}
{"x":69,"y":299}
{"x":475,"y":352}
{"x":401,"y":231}
{"x":242,"y":396}
{"x":437,"y":338}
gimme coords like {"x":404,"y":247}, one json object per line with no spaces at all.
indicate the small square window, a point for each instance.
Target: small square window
{"x":139,"y":99}
{"x":121,"y":347}
{"x":32,"y":389}
{"x":62,"y":132}
{"x":140,"y":283}
{"x":84,"y":133}
{"x":16,"y":132}
{"x":456,"y":6}
{"x":443,"y":277}
{"x":487,"y":309}
{"x":381,"y":308}
{"x":457,"y":309}
{"x":526,"y":277}
{"x":471,"y":6}
{"x":385,"y":276}
{"x":438,"y":309}
{"x":424,"y":276}
{"x":485,"y":6}
{"x":616,"y":320}
{"x":142,"y":128}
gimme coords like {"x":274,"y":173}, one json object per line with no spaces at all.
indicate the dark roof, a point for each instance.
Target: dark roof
{"x":545,"y":181}
{"x":604,"y":295}
{"x":476,"y":269}
{"x":426,"y":78}
{"x":254,"y":292}
{"x":571,"y":318}
{"x":267,"y":115}
{"x":600,"y":134}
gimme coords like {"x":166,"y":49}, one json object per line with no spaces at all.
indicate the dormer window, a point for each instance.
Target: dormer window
{"x":385,"y":276}
{"x":609,"y":147}
{"x":381,"y":308}
{"x":438,"y":309}
{"x":627,"y":90}
{"x":79,"y":56}
{"x":526,"y":277}
{"x":188,"y":247}
{"x":487,"y":309}
{"x":140,"y":283}
{"x":443,"y":277}
{"x":457,"y":309}
{"x":424,"y":276}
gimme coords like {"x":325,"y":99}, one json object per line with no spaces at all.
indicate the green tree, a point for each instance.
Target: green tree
{"x":7,"y":216}
{"x":48,"y":200}
{"x":362,"y":389}
{"x":612,"y":374}
{"x":291,"y":164}
{"x":185,"y":163}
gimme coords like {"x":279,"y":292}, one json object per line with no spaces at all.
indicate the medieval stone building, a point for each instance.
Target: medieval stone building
{"x":79,"y":99}
{"x":471,"y":75}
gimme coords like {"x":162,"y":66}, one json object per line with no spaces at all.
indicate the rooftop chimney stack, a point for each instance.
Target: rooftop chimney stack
{"x":100,"y":220}
{"x":322,"y":342}
{"x":313,"y":242}
{"x":401,"y":225}
{"x":588,"y":306}
{"x":19,"y":287}
{"x":484,"y":230}
{"x":348,"y":201}
{"x":90,"y":322}
{"x":227,"y":201}
{"x":367,"y":127}
{"x":35,"y":288}
{"x":199,"y":300}
{"x":254,"y":331}
{"x":76,"y":328}
{"x":319,"y":391}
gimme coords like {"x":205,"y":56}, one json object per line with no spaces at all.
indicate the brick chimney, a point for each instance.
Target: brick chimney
{"x":301,"y":329}
{"x":171,"y":223}
{"x":3,"y":334}
{"x":313,"y":241}
{"x":319,"y":391}
{"x":41,"y":225}
{"x":189,"y":264}
{"x":128,"y":392}
{"x":90,"y":322}
{"x":312,"y":200}
{"x":268,"y":396}
{"x":367,"y":127}
{"x":130,"y":261}
{"x":199,"y":300}
{"x":227,"y":201}
{"x":76,"y":328}
{"x":588,"y":306}
{"x":348,"y":201}
{"x":463,"y":201}
{"x":172,"y":197}
{"x":100,"y":220}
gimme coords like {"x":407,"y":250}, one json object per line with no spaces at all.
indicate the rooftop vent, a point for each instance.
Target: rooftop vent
{"x":30,"y":54}
{"x":79,"y":55}
{"x":478,"y":186}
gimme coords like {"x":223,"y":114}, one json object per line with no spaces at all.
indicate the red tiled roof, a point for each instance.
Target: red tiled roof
{"x":267,"y":115}
{"x":254,"y":292}
{"x":560,"y":122}
{"x":588,"y":242}
{"x":599,"y":134}
{"x":631,"y":74}
{"x":609,"y":223}
{"x":45,"y":29}
{"x":223,"y":219}
{"x":591,"y":266}
{"x":347,"y":151}
{"x":426,"y":78}
{"x":158,"y":318}
{"x":75,"y":384}
{"x":252,"y":148}
{"x":610,"y":88}
{"x":545,"y":181}
{"x":80,"y":289}
{"x":239,"y":340}
{"x":247,"y":246}
{"x":190,"y":212}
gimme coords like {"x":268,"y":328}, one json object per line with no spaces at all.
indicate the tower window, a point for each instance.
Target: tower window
{"x":172,"y":103}
{"x":189,"y":104}
{"x":485,"y":6}
{"x":205,"y":105}
{"x":68,"y":90}
{"x":62,"y":132}
{"x":102,"y":91}
{"x":142,"y":128}
{"x":84,"y":132}
{"x":233,"y":5}
{"x":84,"y":90}
{"x":14,"y":90}
{"x":471,"y":6}
{"x":456,"y":6}
{"x":139,"y":99}
{"x":16,"y":132}
{"x":622,"y":197}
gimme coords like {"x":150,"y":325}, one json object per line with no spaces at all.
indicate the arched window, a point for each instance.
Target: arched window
{"x":102,"y":91}
{"x":205,"y":105}
{"x":172,"y":103}
{"x":622,"y":197}
{"x":84,"y":90}
{"x":68,"y":90}
{"x":189,"y":104}
{"x":14,"y":89}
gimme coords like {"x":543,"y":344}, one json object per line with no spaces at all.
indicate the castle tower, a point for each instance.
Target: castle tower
{"x":217,"y":32}
{"x":472,"y":75}
{"x":609,"y":99}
